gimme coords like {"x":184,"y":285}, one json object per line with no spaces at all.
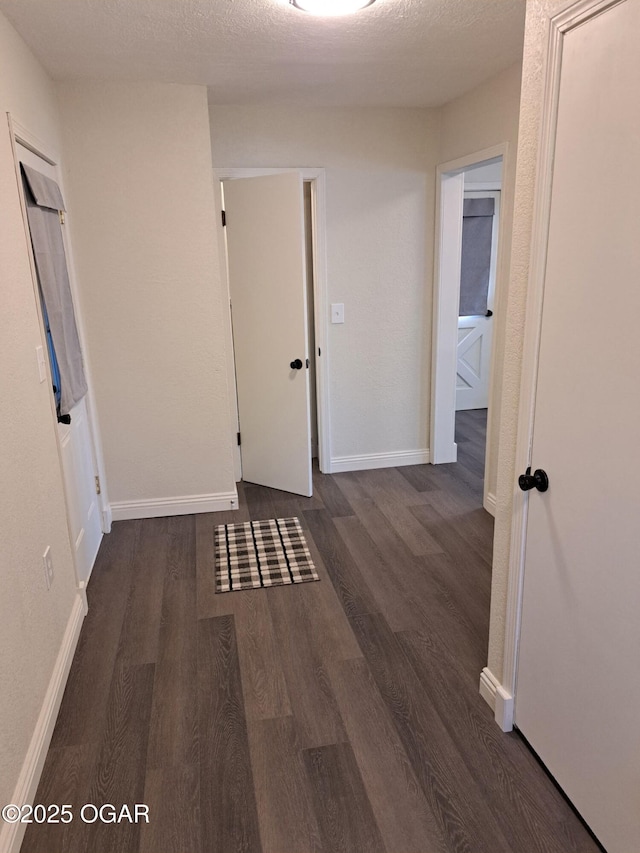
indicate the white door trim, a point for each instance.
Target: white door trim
{"x":446,"y":300}
{"x":320,"y":293}
{"x":574,"y":15}
{"x":448,"y":246}
{"x":18,"y":133}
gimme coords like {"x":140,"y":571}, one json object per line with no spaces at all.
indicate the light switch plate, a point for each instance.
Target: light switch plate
{"x":337,"y":312}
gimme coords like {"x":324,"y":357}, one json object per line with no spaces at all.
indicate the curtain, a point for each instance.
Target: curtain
{"x":44,"y":203}
{"x":477,"y":228}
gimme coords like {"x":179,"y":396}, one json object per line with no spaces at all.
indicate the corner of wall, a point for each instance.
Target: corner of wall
{"x":165,"y":386}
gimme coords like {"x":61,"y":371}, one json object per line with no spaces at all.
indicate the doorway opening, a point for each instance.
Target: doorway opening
{"x":465,"y":299}
{"x":312,"y":228}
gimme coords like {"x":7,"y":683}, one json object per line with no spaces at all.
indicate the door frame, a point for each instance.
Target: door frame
{"x":18,"y":133}
{"x":558,"y":26}
{"x":446,"y":299}
{"x":317,"y":179}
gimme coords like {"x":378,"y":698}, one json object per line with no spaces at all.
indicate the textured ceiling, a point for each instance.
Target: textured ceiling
{"x":393,"y":53}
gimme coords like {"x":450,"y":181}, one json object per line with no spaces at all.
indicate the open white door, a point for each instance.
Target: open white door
{"x":578,"y":683}
{"x":76,"y":446}
{"x":267,"y":280}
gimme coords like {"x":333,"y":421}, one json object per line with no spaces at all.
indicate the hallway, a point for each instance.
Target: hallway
{"x":342,"y":715}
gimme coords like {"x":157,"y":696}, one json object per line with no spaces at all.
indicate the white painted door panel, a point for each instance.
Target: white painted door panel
{"x":473,"y":362}
{"x":82,"y":498}
{"x":475,"y":333}
{"x":76,"y":447}
{"x":267,"y":279}
{"x":578,"y":686}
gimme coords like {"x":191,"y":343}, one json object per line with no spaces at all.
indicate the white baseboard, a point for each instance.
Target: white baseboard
{"x":107,"y":518}
{"x":184,"y":505}
{"x":498,"y":699}
{"x":490,"y":503}
{"x":11,"y":834}
{"x":378,"y":460}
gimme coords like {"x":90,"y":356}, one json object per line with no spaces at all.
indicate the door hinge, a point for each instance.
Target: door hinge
{"x":98,"y":490}
{"x":224,"y":217}
{"x":239,"y":440}
{"x":61,"y":215}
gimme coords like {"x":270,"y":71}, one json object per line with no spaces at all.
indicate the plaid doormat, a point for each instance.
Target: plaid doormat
{"x":262,"y":553}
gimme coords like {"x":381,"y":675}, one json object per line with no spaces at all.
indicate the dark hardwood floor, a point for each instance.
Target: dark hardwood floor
{"x":341,"y":716}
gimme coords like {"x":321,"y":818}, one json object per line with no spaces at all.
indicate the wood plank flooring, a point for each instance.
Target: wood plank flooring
{"x":324,"y":717}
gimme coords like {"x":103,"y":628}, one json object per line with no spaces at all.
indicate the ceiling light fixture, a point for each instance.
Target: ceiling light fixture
{"x":330,"y":8}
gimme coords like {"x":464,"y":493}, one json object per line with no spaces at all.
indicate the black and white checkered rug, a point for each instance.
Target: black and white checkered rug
{"x":262,"y":553}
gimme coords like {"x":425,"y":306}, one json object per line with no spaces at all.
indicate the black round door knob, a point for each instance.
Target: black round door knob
{"x":538,"y":480}
{"x":296,"y":365}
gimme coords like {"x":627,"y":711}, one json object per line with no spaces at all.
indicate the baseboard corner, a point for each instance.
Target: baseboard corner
{"x":490,"y":503}
{"x":499,"y":700}
{"x":107,"y":518}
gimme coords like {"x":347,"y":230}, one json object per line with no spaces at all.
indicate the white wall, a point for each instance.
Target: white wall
{"x":490,"y":174}
{"x":480,"y":119}
{"x":380,"y":201}
{"x":139,"y":183}
{"x":32,"y":513}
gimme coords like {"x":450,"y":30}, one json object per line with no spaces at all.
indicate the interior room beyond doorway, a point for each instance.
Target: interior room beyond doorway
{"x":465,"y":301}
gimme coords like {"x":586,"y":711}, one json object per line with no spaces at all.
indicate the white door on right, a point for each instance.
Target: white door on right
{"x":475,"y":330}
{"x":578,"y":684}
